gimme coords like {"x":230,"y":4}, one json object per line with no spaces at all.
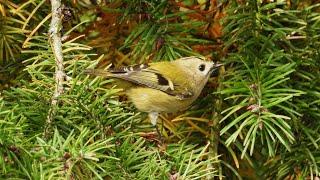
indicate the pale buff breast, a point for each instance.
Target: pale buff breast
{"x":151,"y":100}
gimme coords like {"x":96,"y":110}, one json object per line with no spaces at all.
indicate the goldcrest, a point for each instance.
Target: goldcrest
{"x":163,"y":86}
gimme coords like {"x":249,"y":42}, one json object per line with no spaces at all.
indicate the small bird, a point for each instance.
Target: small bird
{"x":163,"y":86}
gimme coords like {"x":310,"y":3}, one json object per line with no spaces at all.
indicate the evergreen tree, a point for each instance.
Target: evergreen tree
{"x":257,"y":119}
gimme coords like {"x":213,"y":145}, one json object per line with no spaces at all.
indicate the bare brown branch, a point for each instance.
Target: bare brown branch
{"x":56,"y":45}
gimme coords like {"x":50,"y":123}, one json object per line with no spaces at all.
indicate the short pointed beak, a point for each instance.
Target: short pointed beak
{"x":214,"y":69}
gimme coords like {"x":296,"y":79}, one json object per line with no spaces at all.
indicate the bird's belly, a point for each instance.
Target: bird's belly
{"x":151,"y":100}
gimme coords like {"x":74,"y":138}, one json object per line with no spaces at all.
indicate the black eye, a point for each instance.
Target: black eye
{"x":202,"y":67}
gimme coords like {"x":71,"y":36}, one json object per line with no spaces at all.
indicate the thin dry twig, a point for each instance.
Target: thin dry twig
{"x":56,"y":45}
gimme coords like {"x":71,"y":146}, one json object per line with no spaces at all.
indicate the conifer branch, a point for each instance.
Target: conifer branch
{"x":56,"y":45}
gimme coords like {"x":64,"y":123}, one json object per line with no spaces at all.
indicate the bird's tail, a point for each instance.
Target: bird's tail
{"x":98,"y":72}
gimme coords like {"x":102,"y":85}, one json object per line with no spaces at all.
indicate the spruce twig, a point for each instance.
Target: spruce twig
{"x":56,"y":45}
{"x":215,"y":130}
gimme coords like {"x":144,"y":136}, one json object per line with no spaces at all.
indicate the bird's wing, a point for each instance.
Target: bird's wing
{"x":145,"y":75}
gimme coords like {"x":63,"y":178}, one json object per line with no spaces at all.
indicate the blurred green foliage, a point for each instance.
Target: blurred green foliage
{"x":257,"y":120}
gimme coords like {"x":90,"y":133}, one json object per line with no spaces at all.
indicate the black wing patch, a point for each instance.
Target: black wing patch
{"x":162,"y":80}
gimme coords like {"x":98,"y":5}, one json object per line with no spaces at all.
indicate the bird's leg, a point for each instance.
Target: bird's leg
{"x":153,"y":116}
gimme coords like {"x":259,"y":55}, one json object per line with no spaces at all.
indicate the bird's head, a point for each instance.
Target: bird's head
{"x":199,"y":68}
